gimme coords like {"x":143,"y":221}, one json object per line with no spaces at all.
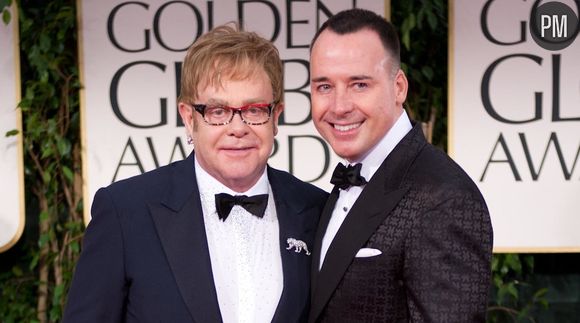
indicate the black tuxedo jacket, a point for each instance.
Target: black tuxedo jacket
{"x":432,"y":226}
{"x":145,"y":256}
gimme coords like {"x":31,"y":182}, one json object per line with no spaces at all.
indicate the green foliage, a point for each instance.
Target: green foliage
{"x":423,"y":31}
{"x":513,"y":299}
{"x":17,"y":295}
{"x":35,"y":289}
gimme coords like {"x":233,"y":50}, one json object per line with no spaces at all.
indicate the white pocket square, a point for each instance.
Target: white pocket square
{"x":368,"y":252}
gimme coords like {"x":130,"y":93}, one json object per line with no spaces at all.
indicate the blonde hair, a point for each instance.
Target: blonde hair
{"x":228,"y":52}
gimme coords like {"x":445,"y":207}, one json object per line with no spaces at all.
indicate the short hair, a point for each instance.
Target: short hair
{"x":227,"y":51}
{"x":353,"y":20}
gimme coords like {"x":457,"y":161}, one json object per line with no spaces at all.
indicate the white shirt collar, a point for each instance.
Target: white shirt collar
{"x":207,"y":184}
{"x":373,"y":160}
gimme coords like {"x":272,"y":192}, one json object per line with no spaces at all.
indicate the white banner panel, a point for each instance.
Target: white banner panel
{"x":131,"y":54}
{"x":515,"y":117}
{"x":11,"y":174}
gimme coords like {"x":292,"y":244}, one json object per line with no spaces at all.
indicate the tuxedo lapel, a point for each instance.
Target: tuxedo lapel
{"x":290,"y":211}
{"x":181,"y":230}
{"x":322,"y":225}
{"x":362,"y":221}
{"x":380,"y":196}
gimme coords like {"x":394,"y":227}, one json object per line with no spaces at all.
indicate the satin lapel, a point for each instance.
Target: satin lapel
{"x":320,"y":231}
{"x":378,"y":199}
{"x":180,"y":226}
{"x":289,"y":224}
{"x":362,"y":221}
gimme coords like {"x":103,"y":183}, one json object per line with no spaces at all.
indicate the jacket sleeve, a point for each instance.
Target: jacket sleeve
{"x":448,"y":260}
{"x":99,"y":288}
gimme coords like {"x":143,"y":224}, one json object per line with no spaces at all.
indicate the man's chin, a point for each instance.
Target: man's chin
{"x":241,"y":181}
{"x":238,"y":169}
{"x":344,"y":149}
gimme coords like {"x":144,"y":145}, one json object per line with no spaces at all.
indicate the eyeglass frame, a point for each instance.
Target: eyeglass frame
{"x":200,"y":108}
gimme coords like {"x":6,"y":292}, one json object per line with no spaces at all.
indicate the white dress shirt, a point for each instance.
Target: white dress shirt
{"x":370,"y":163}
{"x":244,"y":251}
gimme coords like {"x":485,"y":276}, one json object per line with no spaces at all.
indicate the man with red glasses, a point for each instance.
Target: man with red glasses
{"x":217,"y":237}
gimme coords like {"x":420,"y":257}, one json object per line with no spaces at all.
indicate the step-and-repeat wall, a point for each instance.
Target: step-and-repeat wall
{"x":514,"y":117}
{"x":514,"y":93}
{"x":132,"y":53}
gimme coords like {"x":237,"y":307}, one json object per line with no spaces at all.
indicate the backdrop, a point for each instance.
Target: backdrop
{"x":131,"y":56}
{"x":514,"y":117}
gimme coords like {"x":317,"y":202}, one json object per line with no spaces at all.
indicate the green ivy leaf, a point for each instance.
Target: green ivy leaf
{"x":495,"y":263}
{"x":501,"y":293}
{"x":406,"y":40}
{"x":524,"y":313}
{"x":12,"y":132}
{"x":75,"y":247}
{"x":63,"y":146}
{"x":412,"y":21}
{"x":68,"y":173}
{"x":43,"y":239}
{"x":512,"y":290}
{"x":80,"y":206}
{"x":529,"y":261}
{"x":513,"y":262}
{"x":420,"y":17}
{"x":58,"y":291}
{"x":34,"y":261}
{"x":47,"y":150}
{"x":541,"y":292}
{"x":55,"y":313}
{"x":6,"y":16}
{"x":431,"y":19}
{"x":46,"y":177}
{"x":17,"y":271}
{"x":43,"y":216}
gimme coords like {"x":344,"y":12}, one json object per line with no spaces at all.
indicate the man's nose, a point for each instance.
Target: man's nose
{"x":342,"y":102}
{"x":238,"y":127}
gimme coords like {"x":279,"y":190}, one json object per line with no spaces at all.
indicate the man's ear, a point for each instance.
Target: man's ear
{"x":186,"y":113}
{"x":401,"y":87}
{"x":276,"y":115}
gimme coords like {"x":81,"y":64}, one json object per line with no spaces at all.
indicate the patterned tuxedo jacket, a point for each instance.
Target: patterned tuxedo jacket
{"x":429,"y":220}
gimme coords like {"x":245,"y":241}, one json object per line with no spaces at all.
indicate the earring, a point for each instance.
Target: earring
{"x":189,"y":140}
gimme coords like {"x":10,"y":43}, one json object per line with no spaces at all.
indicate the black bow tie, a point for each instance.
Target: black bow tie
{"x":254,"y":204}
{"x":346,"y":176}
